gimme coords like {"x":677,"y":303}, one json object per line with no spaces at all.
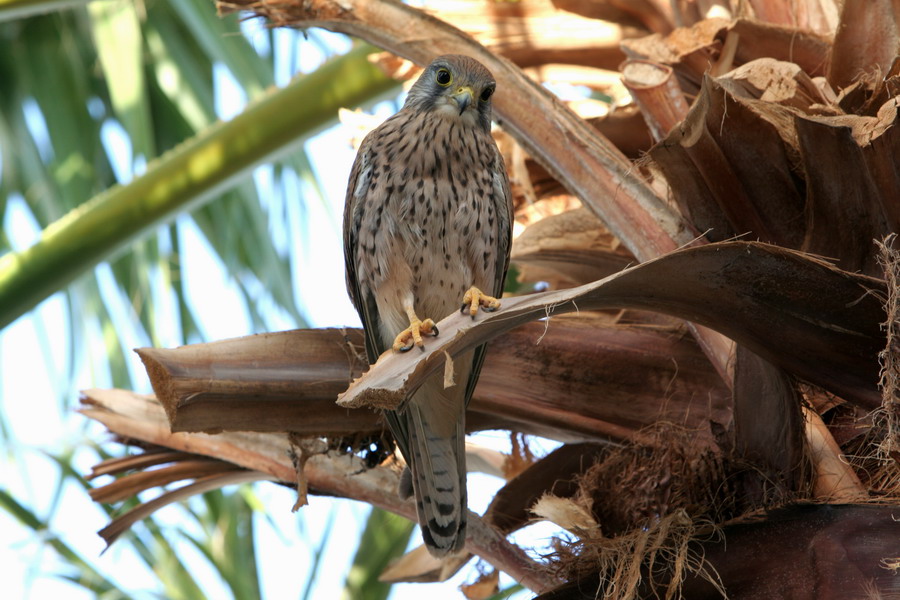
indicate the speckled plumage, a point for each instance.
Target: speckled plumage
{"x":428,"y":215}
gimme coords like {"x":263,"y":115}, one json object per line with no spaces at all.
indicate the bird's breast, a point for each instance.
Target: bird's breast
{"x":433,"y":230}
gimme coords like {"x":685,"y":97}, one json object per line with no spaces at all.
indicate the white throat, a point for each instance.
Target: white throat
{"x":449,"y":110}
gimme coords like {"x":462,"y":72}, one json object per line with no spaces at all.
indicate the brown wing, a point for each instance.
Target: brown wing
{"x":504,"y":210}
{"x":353,"y":210}
{"x":354,"y":204}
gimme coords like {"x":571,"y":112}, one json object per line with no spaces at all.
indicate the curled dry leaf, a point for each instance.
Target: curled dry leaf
{"x":134,"y":483}
{"x":419,"y":566}
{"x":689,"y":46}
{"x":777,"y":81}
{"x":849,"y":164}
{"x":758,"y":39}
{"x":565,"y":512}
{"x":484,"y":588}
{"x":555,"y":475}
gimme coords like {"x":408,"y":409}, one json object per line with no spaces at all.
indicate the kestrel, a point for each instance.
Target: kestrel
{"x":427,"y":222}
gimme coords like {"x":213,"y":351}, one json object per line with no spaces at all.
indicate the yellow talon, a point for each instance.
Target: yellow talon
{"x":475,"y":298}
{"x":412,"y":335}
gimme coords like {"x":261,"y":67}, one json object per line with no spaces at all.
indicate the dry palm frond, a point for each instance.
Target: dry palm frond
{"x":245,"y":457}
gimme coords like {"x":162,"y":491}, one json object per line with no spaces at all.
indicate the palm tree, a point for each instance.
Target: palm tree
{"x":705,"y":462}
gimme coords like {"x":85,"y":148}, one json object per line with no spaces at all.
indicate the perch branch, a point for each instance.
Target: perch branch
{"x":827,"y":322}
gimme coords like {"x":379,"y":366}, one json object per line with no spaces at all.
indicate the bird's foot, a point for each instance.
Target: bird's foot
{"x":475,"y":298}
{"x":412,"y":335}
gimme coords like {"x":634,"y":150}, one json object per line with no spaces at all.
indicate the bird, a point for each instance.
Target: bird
{"x":427,"y":222}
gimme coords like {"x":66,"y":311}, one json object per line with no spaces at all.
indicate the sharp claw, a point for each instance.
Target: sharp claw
{"x":475,"y":299}
{"x":412,"y":335}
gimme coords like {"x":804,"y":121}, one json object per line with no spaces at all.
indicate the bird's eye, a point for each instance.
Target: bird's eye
{"x":487,"y":93}
{"x":443,"y":77}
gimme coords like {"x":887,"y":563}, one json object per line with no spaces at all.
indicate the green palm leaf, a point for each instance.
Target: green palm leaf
{"x":384,"y":539}
{"x":182,"y":178}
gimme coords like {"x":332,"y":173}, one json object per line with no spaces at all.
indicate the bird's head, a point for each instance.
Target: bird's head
{"x":456,"y":87}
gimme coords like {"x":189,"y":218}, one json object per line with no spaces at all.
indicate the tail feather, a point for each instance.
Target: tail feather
{"x":438,"y":470}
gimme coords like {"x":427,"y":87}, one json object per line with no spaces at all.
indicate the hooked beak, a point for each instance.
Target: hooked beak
{"x":463,"y":97}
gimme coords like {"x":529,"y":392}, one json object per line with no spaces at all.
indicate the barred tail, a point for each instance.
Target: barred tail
{"x":438,"y":473}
